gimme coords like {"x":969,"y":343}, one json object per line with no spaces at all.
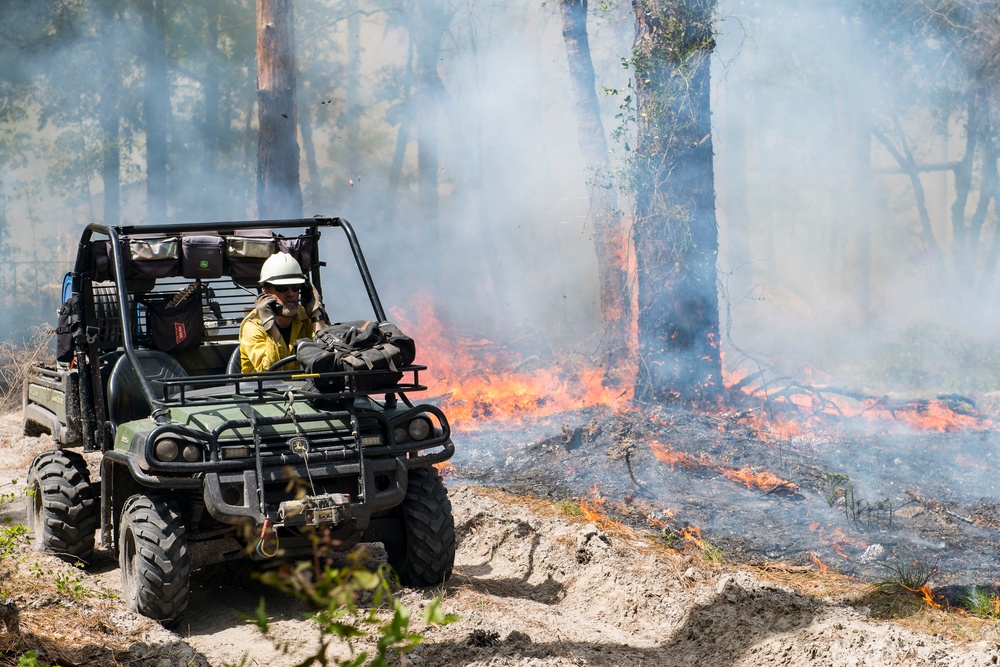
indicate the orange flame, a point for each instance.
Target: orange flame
{"x":928,"y":596}
{"x":692,"y":534}
{"x":763,"y":481}
{"x":480,"y":381}
{"x":795,"y":410}
{"x":819,"y":564}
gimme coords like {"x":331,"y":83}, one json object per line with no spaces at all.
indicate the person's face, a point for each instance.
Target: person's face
{"x":288,"y":297}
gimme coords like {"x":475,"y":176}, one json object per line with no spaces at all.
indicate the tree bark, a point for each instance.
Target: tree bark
{"x":110,"y":145}
{"x":675,"y":231}
{"x":429,"y":22}
{"x":610,"y":241}
{"x":279,"y":194}
{"x":156,"y":106}
{"x":210,"y":123}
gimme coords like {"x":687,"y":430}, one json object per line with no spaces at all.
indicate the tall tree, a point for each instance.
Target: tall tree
{"x":279,"y":194}
{"x":428,"y":25}
{"x":156,"y":106}
{"x":610,"y":242}
{"x":675,"y":231}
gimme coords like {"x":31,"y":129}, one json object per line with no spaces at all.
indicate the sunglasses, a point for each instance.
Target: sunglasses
{"x":285,"y":289}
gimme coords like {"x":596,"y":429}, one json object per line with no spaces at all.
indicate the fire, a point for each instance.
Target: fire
{"x":762,"y":480}
{"x":819,"y":564}
{"x":928,"y":596}
{"x":692,"y":534}
{"x":796,"y":409}
{"x":765,"y":481}
{"x":480,"y":381}
{"x":681,"y":459}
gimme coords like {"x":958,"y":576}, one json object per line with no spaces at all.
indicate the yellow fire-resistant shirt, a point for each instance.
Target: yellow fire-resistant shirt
{"x":259,"y":350}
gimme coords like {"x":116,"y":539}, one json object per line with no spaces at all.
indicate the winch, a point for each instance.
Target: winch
{"x":329,"y":508}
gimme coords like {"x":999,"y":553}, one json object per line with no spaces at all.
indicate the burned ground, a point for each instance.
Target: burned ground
{"x":861,"y":502}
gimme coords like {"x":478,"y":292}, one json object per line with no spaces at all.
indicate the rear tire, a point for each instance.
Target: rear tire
{"x":63,"y":511}
{"x":153,"y":556}
{"x":424,"y":553}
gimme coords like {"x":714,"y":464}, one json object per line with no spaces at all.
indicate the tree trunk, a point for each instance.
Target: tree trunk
{"x":675,"y":231}
{"x":610,"y":242}
{"x":156,"y":106}
{"x":428,"y":28}
{"x":210,"y":123}
{"x":354,"y":107}
{"x":279,"y":194}
{"x":110,"y":146}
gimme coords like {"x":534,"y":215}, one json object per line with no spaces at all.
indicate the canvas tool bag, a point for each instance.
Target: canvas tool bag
{"x":379,"y":347}
{"x":176,"y":325}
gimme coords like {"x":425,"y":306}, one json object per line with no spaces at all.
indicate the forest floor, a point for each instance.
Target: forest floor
{"x":541,"y":579}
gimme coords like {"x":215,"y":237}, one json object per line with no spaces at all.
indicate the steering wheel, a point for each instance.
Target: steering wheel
{"x":281,"y":362}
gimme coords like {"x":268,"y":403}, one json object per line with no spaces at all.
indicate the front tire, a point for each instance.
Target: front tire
{"x":424,"y":553}
{"x":63,"y":512}
{"x":153,"y":556}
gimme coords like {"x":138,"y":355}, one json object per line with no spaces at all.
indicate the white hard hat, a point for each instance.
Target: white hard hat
{"x":281,"y":269}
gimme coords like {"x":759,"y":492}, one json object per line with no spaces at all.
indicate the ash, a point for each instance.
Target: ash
{"x":862,"y":503}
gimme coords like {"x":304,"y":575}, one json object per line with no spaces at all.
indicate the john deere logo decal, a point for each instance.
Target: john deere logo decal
{"x":203,"y":265}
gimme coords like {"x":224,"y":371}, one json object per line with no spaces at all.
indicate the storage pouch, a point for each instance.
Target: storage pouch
{"x":245,"y":255}
{"x":153,"y":258}
{"x":302,"y":248}
{"x":201,"y":256}
{"x":177,"y":325}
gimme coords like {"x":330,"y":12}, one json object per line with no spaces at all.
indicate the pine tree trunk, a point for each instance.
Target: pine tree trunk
{"x":279,"y":193}
{"x":675,"y":230}
{"x":610,"y":241}
{"x":156,"y":106}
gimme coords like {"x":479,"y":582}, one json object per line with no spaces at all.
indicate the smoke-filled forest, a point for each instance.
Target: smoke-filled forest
{"x":854,"y":173}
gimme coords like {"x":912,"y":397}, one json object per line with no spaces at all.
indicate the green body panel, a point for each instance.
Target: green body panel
{"x":206,"y":418}
{"x":53,"y":400}
{"x":126,"y":433}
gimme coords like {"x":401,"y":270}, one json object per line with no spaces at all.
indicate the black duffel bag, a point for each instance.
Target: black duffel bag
{"x":378,"y":347}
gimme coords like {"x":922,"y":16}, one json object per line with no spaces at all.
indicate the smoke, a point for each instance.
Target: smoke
{"x":823,"y":262}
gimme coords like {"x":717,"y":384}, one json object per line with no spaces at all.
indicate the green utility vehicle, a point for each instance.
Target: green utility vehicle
{"x":182,"y":461}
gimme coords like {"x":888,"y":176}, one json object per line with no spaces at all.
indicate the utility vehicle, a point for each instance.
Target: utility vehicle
{"x":182,"y":461}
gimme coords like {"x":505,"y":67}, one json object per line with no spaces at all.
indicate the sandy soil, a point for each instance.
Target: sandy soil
{"x":532,"y":586}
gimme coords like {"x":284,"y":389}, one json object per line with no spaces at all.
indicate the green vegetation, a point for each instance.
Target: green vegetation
{"x":335,"y":594}
{"x":981,"y":602}
{"x":569,"y":508}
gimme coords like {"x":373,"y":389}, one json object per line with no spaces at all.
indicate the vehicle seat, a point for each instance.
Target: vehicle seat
{"x":126,"y":401}
{"x":235,"y":366}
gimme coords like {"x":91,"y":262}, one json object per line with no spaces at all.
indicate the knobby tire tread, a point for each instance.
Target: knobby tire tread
{"x":430,"y":531}
{"x":69,"y":506}
{"x":157,"y":584}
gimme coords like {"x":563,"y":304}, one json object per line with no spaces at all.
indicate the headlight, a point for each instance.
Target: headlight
{"x":191,"y":453}
{"x":419,"y":428}
{"x":399,"y":434}
{"x":167,"y":450}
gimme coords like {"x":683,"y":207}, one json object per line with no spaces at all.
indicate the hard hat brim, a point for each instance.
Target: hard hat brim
{"x":294,"y":279}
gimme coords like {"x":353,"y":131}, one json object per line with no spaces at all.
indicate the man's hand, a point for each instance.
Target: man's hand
{"x":263,"y":305}
{"x":313,"y":303}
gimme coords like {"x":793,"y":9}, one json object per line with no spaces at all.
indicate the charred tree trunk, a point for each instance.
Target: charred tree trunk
{"x":610,"y":242}
{"x":279,"y":193}
{"x":675,"y":231}
{"x":156,"y":106}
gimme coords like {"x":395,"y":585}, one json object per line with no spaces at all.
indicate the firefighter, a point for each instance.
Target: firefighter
{"x":268,"y":332}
